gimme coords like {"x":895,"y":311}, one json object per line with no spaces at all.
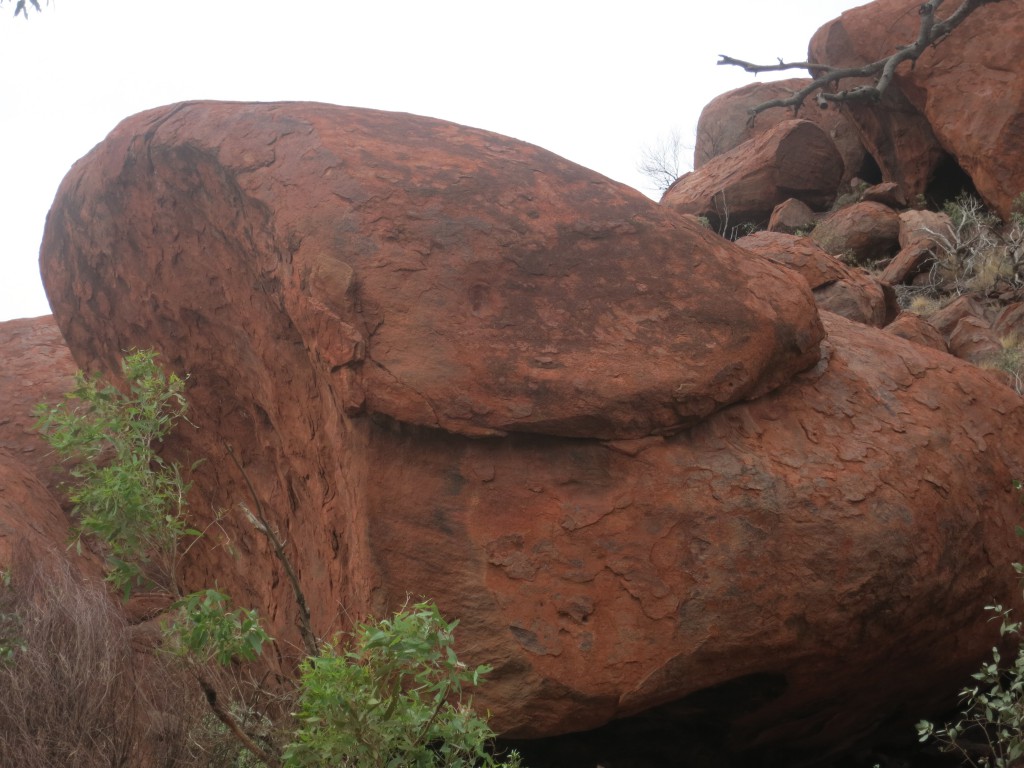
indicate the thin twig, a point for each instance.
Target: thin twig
{"x":262,"y":524}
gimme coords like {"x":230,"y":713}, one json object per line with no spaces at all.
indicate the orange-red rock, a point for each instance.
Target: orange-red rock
{"x":836,"y":535}
{"x":790,"y":216}
{"x":862,"y":232}
{"x":922,"y":235}
{"x":37,"y":368}
{"x":844,"y":290}
{"x":918,"y":330}
{"x":725,"y":123}
{"x":793,"y":159}
{"x":963,"y":97}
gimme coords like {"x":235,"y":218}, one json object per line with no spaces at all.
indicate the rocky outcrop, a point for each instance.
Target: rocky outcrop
{"x":918,"y":330}
{"x":861,"y":233}
{"x":793,"y":159}
{"x":37,"y":369}
{"x":791,"y":216}
{"x":453,"y":363}
{"x":844,"y":290}
{"x":922,"y":236}
{"x":961,"y":99}
{"x":725,"y":123}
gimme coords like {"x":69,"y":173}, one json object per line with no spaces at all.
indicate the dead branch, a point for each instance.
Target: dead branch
{"x":931,"y":32}
{"x":260,"y":522}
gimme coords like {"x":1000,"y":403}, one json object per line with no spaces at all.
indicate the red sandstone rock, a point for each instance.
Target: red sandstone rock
{"x":37,"y":368}
{"x":862,"y":232}
{"x":452,"y":287}
{"x":790,"y":216}
{"x":961,"y":97}
{"x":918,"y":330}
{"x":969,"y":305}
{"x":974,"y":340}
{"x":724,"y":123}
{"x":844,"y":290}
{"x":793,"y":159}
{"x":836,"y":535}
{"x":922,"y":234}
{"x":887,"y":193}
{"x":30,"y":516}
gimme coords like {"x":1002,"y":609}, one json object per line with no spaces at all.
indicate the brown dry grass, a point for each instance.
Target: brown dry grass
{"x":73,"y":692}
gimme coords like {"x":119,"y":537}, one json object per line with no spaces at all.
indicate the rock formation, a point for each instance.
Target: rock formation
{"x":630,"y":456}
{"x":793,"y":159}
{"x":961,"y":104}
{"x":844,"y":290}
{"x":37,"y":368}
{"x":725,"y":123}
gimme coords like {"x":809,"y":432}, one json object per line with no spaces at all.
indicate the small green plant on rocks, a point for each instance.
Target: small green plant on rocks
{"x":990,"y":731}
{"x":125,"y":496}
{"x":394,"y":700}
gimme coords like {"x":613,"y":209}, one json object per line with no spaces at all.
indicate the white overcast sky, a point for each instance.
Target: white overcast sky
{"x":593,"y":81}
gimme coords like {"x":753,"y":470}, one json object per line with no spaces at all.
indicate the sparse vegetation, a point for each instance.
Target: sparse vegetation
{"x":978,"y":254}
{"x":990,"y":731}
{"x":394,"y":697}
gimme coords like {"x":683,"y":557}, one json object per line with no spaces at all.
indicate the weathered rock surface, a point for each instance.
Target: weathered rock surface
{"x":37,"y":368}
{"x":451,"y":275}
{"x":30,"y":516}
{"x":922,"y":235}
{"x":887,"y":193}
{"x":724,"y":123}
{"x":862,"y":232}
{"x":918,"y":330}
{"x":790,"y":216}
{"x":963,"y":98}
{"x":844,"y":290}
{"x":793,"y":159}
{"x":358,"y":295}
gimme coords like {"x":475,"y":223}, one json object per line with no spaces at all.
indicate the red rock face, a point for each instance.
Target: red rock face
{"x":846,"y":291}
{"x":724,"y":123}
{"x":862,"y":232}
{"x":366,"y":302}
{"x":793,"y":159}
{"x":37,"y":368}
{"x":964,"y":97}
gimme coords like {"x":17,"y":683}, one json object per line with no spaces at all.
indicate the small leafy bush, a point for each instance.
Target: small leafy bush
{"x":206,"y":628}
{"x":394,"y":700}
{"x":125,"y":495}
{"x":990,"y":731}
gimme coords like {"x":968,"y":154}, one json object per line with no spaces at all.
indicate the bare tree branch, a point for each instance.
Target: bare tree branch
{"x":661,"y":162}
{"x":931,"y":32}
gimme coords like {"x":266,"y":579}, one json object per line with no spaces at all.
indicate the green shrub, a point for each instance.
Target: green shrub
{"x":125,"y":495}
{"x":394,"y":700}
{"x":206,"y":628}
{"x":990,"y":731}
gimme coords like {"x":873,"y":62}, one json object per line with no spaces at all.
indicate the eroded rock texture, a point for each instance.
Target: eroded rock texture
{"x":725,"y":123}
{"x":963,"y":99}
{"x":617,"y":447}
{"x":794,"y":158}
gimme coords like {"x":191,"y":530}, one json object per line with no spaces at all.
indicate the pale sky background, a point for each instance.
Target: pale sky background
{"x":592,"y":81}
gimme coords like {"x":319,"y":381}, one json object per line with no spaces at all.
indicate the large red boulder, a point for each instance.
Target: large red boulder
{"x":440,"y":356}
{"x":861,"y":233}
{"x":725,"y":123}
{"x":963,"y":97}
{"x":793,"y":159}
